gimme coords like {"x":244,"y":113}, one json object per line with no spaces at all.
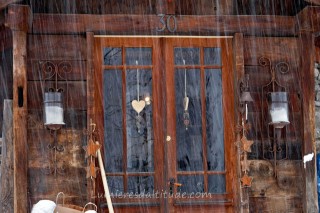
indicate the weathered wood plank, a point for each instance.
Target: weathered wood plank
{"x":18,"y":17}
{"x":78,"y":70}
{"x":239,"y":73}
{"x":317,"y":2}
{"x":260,"y":76}
{"x":20,"y":121}
{"x":306,"y":52}
{"x":309,"y":19}
{"x":6,"y":171}
{"x":148,"y":24}
{"x":287,"y":182}
{"x":5,"y":3}
{"x":56,"y":47}
{"x":44,"y":186}
{"x":5,"y":38}
{"x":74,"y":94}
{"x":276,"y":49}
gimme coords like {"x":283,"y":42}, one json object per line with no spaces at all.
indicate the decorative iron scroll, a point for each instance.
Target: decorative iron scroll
{"x":51,"y":72}
{"x":271,"y":148}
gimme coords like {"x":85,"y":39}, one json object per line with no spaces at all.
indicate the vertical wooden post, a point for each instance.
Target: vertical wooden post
{"x":90,"y":98}
{"x":306,"y":49}
{"x":242,"y":201}
{"x":18,"y":19}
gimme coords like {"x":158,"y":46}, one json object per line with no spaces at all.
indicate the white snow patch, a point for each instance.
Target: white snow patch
{"x":307,"y":158}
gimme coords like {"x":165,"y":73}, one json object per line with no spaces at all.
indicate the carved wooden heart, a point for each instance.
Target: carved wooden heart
{"x":138,"y":106}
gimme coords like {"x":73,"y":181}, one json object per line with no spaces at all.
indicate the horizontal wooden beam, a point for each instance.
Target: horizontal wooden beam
{"x":148,"y":24}
{"x":317,"y":2}
{"x":5,"y":3}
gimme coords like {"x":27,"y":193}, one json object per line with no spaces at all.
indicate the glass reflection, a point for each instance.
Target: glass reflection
{"x":112,"y":56}
{"x":112,"y":103}
{"x":188,"y":142}
{"x":139,"y":125}
{"x":214,"y":120}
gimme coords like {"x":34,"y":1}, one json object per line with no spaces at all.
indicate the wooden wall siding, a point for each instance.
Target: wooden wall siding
{"x":284,"y":192}
{"x":263,"y":7}
{"x":94,"y":6}
{"x":203,"y":7}
{"x":280,"y":194}
{"x":277,"y":50}
{"x":56,"y":49}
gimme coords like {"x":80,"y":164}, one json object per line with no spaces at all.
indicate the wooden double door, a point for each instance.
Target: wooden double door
{"x":165,"y":112}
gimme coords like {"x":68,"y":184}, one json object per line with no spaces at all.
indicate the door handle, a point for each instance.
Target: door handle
{"x":172,"y":184}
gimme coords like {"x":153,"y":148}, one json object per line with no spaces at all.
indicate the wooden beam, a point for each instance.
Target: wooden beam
{"x":309,"y":20}
{"x":306,"y":50}
{"x":18,"y":20}
{"x":5,"y":3}
{"x":238,"y":57}
{"x":90,"y":100}
{"x":148,"y":24}
{"x":316,"y":2}
{"x":19,"y":17}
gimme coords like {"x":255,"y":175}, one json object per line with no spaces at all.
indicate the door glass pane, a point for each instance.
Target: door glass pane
{"x":112,"y":103}
{"x":188,"y":56}
{"x":212,"y":56}
{"x":115,"y":184}
{"x":112,"y":56}
{"x":188,"y":137}
{"x":141,"y":55}
{"x":217,"y":184}
{"x":191,"y":183}
{"x":139,"y":125}
{"x":140,"y":185}
{"x":214,"y":120}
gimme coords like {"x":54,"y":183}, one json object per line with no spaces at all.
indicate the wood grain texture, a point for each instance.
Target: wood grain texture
{"x":5,"y":3}
{"x":20,"y":121}
{"x":78,"y":70}
{"x":74,"y":95}
{"x":57,"y":47}
{"x":6,"y":169}
{"x":18,"y":17}
{"x":281,"y":194}
{"x":309,"y":20}
{"x":148,"y":24}
{"x":306,"y":50}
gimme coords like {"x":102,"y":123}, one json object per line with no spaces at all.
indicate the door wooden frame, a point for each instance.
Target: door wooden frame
{"x":160,"y":112}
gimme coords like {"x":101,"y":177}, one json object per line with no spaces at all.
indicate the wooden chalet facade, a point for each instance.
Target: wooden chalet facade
{"x":217,"y":154}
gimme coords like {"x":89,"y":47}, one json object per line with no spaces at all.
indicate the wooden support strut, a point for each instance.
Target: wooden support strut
{"x":18,"y":19}
{"x":306,"y":49}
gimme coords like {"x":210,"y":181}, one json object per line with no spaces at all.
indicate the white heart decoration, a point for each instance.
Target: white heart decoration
{"x":138,"y":106}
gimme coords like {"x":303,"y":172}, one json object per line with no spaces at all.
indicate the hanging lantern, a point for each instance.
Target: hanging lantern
{"x":53,"y":110}
{"x":278,"y":109}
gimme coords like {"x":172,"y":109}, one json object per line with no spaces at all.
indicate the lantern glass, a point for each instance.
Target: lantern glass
{"x":53,"y":110}
{"x":278,"y":109}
